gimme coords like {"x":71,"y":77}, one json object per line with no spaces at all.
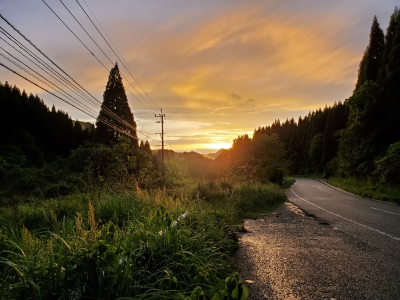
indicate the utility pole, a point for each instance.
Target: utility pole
{"x":162,"y":116}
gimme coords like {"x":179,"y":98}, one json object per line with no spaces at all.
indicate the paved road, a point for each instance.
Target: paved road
{"x":373,"y":222}
{"x":337,"y":246}
{"x":289,"y":255}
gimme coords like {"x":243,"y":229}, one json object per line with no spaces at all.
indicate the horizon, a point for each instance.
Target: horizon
{"x":218,"y":70}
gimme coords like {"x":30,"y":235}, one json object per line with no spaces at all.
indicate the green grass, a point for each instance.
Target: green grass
{"x":175,"y":244}
{"x":363,"y":187}
{"x":244,"y":200}
{"x":368,"y":189}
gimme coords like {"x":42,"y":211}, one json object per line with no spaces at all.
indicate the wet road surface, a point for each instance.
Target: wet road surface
{"x":374,"y":222}
{"x":306,"y":254}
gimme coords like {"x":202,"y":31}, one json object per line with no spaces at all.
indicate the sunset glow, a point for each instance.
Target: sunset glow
{"x":218,"y":70}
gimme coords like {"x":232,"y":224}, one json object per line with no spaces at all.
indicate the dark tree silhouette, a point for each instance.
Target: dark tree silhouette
{"x":389,"y":37}
{"x":29,"y":127}
{"x":370,"y":63}
{"x":115,"y":101}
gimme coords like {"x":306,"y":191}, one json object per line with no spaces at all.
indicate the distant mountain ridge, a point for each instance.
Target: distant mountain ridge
{"x":214,"y":155}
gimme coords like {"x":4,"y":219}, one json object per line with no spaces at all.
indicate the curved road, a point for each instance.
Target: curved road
{"x":374,"y":222}
{"x":337,"y":246}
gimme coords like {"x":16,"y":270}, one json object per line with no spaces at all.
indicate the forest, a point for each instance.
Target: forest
{"x":357,"y":138}
{"x":85,"y":212}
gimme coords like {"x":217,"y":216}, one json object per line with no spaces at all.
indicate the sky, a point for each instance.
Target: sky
{"x":218,"y":69}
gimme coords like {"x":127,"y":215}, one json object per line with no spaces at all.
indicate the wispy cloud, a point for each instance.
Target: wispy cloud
{"x":222,"y":68}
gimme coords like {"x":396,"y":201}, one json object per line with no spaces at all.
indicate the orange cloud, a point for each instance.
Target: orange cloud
{"x":241,"y":66}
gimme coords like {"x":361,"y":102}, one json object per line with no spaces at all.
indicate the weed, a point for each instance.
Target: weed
{"x":142,"y":244}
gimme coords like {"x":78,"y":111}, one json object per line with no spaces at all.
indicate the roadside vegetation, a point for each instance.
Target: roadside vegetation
{"x":379,"y":191}
{"x":354,"y":143}
{"x":103,"y":223}
{"x":171,"y":243}
{"x":88,"y":215}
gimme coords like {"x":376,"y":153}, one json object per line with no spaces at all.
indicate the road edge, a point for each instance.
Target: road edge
{"x":339,"y":189}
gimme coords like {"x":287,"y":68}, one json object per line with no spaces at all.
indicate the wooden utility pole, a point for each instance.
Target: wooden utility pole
{"x":162,"y":116}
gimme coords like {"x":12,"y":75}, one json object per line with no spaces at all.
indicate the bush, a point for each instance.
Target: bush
{"x":388,"y":167}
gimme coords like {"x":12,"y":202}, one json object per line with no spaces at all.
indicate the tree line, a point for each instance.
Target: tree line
{"x":43,"y":152}
{"x":358,"y":137}
{"x":32,"y":133}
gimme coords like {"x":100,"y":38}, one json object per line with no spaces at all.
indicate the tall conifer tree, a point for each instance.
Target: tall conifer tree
{"x":391,"y":88}
{"x":389,"y":37}
{"x":115,"y":100}
{"x":370,"y":63}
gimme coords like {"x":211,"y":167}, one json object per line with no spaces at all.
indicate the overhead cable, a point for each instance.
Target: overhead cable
{"x":108,"y":111}
{"x":107,"y":55}
{"x":87,"y":46}
{"x":121,"y":60}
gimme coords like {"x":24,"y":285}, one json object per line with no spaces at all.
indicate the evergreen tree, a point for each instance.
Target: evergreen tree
{"x":115,"y":100}
{"x":390,"y":34}
{"x":30,"y":128}
{"x":390,"y":96}
{"x":370,"y":63}
{"x":336,"y":120}
{"x":357,"y":144}
{"x":147,"y":148}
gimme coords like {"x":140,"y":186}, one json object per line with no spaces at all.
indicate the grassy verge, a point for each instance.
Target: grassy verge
{"x":131,"y":245}
{"x":288,"y":182}
{"x":364,"y":188}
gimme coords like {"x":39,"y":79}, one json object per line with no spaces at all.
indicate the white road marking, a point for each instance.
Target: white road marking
{"x":389,"y":212}
{"x":344,"y":218}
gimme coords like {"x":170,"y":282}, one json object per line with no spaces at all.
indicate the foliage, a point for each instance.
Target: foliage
{"x":132,"y":244}
{"x":91,"y":167}
{"x":29,"y":127}
{"x":260,"y":158}
{"x":357,"y":144}
{"x":115,"y":102}
{"x":245,"y":200}
{"x":388,"y":167}
{"x":371,"y":61}
{"x":367,"y":188}
{"x":350,"y":139}
{"x":315,"y":151}
{"x":186,"y":164}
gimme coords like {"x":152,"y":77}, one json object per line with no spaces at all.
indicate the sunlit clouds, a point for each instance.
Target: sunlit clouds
{"x":217,"y":70}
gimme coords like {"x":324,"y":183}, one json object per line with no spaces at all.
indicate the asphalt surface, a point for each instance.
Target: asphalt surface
{"x":374,"y":222}
{"x":329,"y":245}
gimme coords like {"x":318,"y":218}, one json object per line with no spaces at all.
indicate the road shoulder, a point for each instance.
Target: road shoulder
{"x":289,"y":255}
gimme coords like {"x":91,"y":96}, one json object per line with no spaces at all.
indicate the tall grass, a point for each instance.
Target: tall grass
{"x":137,"y":244}
{"x":242,"y":200}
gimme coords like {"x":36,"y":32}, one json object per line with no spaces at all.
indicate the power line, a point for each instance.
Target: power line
{"x":161,"y":116}
{"x":108,"y":111}
{"x":96,"y":104}
{"x":88,"y":48}
{"x":83,"y":29}
{"x":41,"y":52}
{"x":35,"y":57}
{"x":15,"y":72}
{"x":71,"y":98}
{"x":74,"y":34}
{"x":122,"y":62}
{"x":47,"y":72}
{"x":104,"y":121}
{"x":74,"y":100}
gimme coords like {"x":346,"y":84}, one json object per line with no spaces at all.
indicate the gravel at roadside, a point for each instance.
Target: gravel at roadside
{"x":289,"y":255}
